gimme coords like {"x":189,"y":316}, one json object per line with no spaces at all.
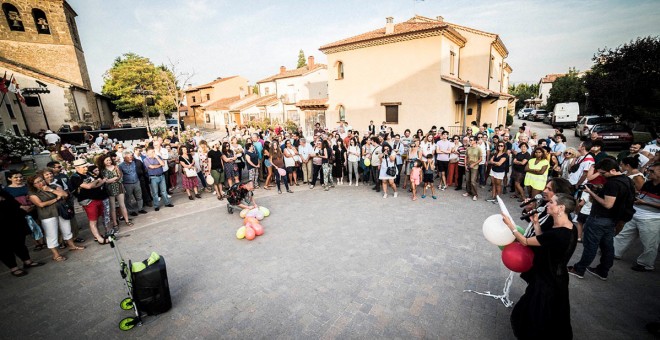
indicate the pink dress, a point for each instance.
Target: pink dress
{"x":415,"y":175}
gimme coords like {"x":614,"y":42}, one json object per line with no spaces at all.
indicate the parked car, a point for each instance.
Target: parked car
{"x":537,"y":115}
{"x":584,"y":125}
{"x":614,"y":134}
{"x":523,"y":113}
{"x":566,"y":114}
{"x":548,"y":118}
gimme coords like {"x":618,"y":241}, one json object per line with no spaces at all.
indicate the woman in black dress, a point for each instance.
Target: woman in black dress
{"x":543,"y":312}
{"x":339,"y":151}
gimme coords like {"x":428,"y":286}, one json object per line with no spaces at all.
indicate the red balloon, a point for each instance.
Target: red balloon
{"x":517,"y":257}
{"x":249,"y":233}
{"x":258,"y":229}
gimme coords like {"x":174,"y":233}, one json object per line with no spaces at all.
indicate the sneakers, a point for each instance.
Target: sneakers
{"x":595,"y":272}
{"x":572,"y":271}
{"x":396,"y":194}
{"x":423,"y":196}
{"x":444,"y":187}
{"x":142,"y":211}
{"x":474,"y":198}
{"x":640,"y":268}
{"x":465,"y":194}
{"x":170,"y":205}
{"x":311,"y":187}
{"x":356,"y":183}
{"x":491,"y":200}
{"x":434,"y":197}
{"x":384,"y":195}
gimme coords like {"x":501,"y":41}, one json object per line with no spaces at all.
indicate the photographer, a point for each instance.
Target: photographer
{"x":608,"y":207}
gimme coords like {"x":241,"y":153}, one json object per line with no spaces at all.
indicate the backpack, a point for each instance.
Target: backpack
{"x":623,"y":206}
{"x":233,"y":195}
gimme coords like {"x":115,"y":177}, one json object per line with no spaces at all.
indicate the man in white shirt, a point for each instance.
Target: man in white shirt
{"x":51,"y":137}
{"x":305,"y":150}
{"x":99,"y":139}
{"x":559,"y":147}
{"x":482,"y":143}
{"x":164,"y":155}
{"x":651,"y":148}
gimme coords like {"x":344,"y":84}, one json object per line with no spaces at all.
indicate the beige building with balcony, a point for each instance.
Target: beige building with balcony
{"x":199,"y":97}
{"x":412,"y":75}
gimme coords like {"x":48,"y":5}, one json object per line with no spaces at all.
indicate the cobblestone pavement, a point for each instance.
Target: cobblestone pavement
{"x":338,"y":264}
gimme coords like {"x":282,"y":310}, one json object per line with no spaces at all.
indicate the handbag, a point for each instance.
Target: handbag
{"x":65,"y":210}
{"x":189,"y":172}
{"x":391,"y":170}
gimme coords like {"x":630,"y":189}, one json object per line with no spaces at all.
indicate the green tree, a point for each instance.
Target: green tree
{"x":255,"y":89}
{"x":568,"y":88}
{"x":523,"y":92}
{"x":130,"y":70}
{"x":302,"y":61}
{"x":625,"y":81}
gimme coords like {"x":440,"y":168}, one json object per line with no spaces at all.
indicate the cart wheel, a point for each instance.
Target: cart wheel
{"x":127,"y":324}
{"x":126,"y":303}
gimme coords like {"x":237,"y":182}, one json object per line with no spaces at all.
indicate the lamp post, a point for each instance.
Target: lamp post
{"x":466,"y":90}
{"x":586,"y":102}
{"x":144,"y":93}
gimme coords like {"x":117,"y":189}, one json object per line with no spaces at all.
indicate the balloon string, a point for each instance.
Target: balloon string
{"x":505,"y":292}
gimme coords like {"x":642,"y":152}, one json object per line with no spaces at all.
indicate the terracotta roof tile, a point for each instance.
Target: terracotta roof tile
{"x":550,"y":78}
{"x":313,"y":103}
{"x":254,"y":100}
{"x":293,"y":73}
{"x":221,"y":104}
{"x":219,"y":80}
{"x":416,"y":24}
{"x":479,"y":89}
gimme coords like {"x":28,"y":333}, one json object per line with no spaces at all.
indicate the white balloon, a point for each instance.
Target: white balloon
{"x":496,"y":232}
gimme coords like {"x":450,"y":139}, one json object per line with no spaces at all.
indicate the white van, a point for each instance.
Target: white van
{"x":566,"y":114}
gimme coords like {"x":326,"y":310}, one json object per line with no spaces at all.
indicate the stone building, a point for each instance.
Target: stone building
{"x":41,"y":50}
{"x":201,"y":96}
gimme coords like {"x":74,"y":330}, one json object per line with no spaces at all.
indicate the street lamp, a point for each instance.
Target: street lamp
{"x":139,"y":90}
{"x":586,"y":102}
{"x":466,"y":90}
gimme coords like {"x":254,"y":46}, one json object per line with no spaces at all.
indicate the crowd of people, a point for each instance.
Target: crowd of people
{"x":610,"y":200}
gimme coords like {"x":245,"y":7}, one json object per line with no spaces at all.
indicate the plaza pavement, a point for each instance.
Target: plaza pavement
{"x":339,"y":264}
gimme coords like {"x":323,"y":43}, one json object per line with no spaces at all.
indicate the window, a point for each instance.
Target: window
{"x":208,"y":118}
{"x":208,"y":96}
{"x":17,"y":131}
{"x":452,"y":60}
{"x":11,"y":111}
{"x":13,"y":17}
{"x":342,"y":113}
{"x":40,"y":21}
{"x":392,"y":113}
{"x":267,"y":91}
{"x":340,"y":70}
{"x":194,"y":100}
{"x":31,"y":101}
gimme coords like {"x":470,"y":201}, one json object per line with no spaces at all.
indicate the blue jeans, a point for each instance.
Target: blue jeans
{"x":598,"y":232}
{"x":157,"y":183}
{"x":482,"y":174}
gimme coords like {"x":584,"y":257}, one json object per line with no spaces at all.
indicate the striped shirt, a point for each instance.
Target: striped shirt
{"x":461,"y":155}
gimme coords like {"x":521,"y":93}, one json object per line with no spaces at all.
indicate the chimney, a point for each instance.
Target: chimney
{"x":282,"y":69}
{"x":241,"y":92}
{"x":440,"y":18}
{"x":389,"y":25}
{"x":310,"y":62}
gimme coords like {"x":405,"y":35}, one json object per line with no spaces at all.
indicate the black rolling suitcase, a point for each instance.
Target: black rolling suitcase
{"x":151,"y":291}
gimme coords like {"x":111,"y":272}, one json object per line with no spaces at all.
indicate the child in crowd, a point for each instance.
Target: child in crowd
{"x":429,"y":169}
{"x":416,"y":177}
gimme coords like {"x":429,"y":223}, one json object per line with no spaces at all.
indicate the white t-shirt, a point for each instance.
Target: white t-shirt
{"x":585,"y":163}
{"x":586,"y":208}
{"x":443,"y":145}
{"x":652,"y":148}
{"x":353,"y":149}
{"x":52,"y":138}
{"x":483,"y":146}
{"x":428,"y":148}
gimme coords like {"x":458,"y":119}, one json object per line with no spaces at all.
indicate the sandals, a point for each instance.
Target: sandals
{"x":220,"y":198}
{"x":267,"y":188}
{"x":59,"y":259}
{"x":77,"y":248}
{"x":19,"y":272}
{"x":33,"y":264}
{"x":129,"y":223}
{"x":105,"y":241}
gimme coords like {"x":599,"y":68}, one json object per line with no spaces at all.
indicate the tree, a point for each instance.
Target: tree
{"x":255,"y":89}
{"x":568,"y":88}
{"x":523,"y":92}
{"x":302,"y":61}
{"x":174,"y":80}
{"x":625,"y":81}
{"x":130,"y":70}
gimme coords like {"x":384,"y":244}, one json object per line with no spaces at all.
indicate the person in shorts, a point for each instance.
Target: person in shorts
{"x":90,"y":194}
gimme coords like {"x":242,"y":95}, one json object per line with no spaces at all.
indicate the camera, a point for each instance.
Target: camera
{"x":582,"y":186}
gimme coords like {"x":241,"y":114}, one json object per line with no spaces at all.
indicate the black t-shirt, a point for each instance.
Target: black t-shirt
{"x":612,"y":188}
{"x":504,"y":166}
{"x":254,"y":158}
{"x":521,"y":156}
{"x":216,"y":159}
{"x":82,"y":193}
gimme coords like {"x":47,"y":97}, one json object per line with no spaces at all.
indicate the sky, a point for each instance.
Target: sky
{"x":253,"y":38}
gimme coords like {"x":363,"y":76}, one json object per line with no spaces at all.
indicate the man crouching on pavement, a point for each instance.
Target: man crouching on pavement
{"x":241,"y":196}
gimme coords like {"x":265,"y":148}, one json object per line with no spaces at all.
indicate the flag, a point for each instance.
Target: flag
{"x":19,"y":94}
{"x":12,"y":86}
{"x":3,"y":86}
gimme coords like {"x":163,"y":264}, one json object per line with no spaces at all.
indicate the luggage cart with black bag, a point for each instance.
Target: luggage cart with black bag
{"x":146,"y":285}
